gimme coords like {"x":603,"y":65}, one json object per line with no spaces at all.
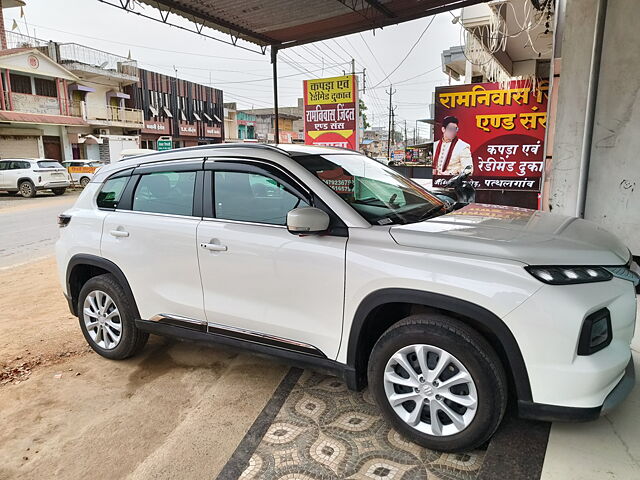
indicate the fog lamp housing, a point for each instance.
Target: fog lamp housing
{"x":596,"y":332}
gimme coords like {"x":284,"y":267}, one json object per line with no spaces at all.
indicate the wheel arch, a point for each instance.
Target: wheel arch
{"x":82,"y":267}
{"x":22,"y":179}
{"x":382,"y":308}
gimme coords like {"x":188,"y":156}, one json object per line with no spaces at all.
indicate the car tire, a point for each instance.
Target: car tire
{"x":58,"y":191}
{"x":84,"y":181}
{"x":469,"y":355}
{"x":27,"y":189}
{"x":100,"y":328}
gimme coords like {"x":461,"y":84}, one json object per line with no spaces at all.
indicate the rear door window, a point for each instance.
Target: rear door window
{"x":165,"y":192}
{"x":111,"y":192}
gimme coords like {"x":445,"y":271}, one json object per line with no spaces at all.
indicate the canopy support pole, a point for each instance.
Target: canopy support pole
{"x":274,"y":62}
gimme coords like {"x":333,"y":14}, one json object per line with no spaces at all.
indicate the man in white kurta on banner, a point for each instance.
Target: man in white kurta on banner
{"x":451,"y":155}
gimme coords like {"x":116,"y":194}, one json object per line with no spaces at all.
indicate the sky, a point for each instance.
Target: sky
{"x":245,"y":77}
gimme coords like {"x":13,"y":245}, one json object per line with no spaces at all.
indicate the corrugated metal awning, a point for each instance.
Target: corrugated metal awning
{"x":286,"y":23}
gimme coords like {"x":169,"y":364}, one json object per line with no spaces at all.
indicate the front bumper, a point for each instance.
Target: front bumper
{"x":554,"y":413}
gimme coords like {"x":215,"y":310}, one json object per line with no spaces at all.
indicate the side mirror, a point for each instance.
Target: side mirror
{"x":307,"y":220}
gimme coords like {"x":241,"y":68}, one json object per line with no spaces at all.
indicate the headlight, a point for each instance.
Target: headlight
{"x":569,"y":275}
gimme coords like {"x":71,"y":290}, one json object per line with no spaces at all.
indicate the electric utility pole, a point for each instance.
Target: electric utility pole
{"x":406,"y":139}
{"x":390,"y":93}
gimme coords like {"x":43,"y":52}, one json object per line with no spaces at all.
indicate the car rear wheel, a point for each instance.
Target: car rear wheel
{"x":58,"y":191}
{"x":438,"y":382}
{"x":84,"y":181}
{"x":107,"y":319}
{"x":27,"y":189}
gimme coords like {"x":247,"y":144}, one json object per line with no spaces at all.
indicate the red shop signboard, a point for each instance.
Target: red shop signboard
{"x":500,"y":131}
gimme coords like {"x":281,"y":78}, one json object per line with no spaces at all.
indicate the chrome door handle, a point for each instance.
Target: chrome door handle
{"x":214,"y":247}
{"x":119,"y":233}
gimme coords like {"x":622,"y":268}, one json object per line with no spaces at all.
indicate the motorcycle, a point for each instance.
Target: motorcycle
{"x":463,"y":189}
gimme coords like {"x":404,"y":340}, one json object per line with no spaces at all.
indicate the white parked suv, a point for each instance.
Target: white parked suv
{"x":29,"y":175}
{"x":81,"y":171}
{"x":334,"y":261}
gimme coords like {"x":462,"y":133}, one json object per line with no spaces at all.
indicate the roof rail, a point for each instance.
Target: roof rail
{"x":253,"y":146}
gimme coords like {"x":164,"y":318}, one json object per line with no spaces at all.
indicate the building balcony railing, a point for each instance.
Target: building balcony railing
{"x":18,"y":40}
{"x":80,"y":58}
{"x":108,"y":115}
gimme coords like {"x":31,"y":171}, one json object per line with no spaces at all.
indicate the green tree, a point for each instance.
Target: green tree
{"x":363,"y":108}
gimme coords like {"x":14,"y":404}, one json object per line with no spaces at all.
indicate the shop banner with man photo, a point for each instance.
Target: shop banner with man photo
{"x":496,"y":131}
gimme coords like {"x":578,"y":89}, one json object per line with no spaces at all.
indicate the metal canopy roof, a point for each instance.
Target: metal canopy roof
{"x":287,"y":23}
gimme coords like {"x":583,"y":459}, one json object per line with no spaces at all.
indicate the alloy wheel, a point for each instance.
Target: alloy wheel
{"x":26,"y":189}
{"x":430,"y":390}
{"x":102,"y":319}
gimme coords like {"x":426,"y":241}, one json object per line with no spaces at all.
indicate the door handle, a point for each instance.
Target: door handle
{"x":214,"y":247}
{"x":119,"y":233}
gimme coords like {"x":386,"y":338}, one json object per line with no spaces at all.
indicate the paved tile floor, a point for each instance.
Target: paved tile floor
{"x":324,"y":431}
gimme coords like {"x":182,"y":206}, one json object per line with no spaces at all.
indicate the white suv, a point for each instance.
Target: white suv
{"x":334,"y":261}
{"x":29,"y":175}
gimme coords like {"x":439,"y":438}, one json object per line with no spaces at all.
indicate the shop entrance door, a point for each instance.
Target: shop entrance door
{"x":52,"y":148}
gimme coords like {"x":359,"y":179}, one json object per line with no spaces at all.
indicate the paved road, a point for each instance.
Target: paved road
{"x":29,"y":227}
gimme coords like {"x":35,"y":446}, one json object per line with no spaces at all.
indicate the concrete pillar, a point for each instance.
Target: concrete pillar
{"x":67,"y":150}
{"x":578,"y":34}
{"x":613,"y":190}
{"x":468,"y":72}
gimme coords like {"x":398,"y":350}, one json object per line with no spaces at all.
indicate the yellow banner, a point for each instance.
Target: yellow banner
{"x":316,"y":133}
{"x":82,"y":169}
{"x":323,"y":91}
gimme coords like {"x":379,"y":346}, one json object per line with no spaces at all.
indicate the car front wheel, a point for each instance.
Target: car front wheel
{"x":438,"y":382}
{"x":58,"y":191}
{"x":84,"y":181}
{"x":107,"y":318}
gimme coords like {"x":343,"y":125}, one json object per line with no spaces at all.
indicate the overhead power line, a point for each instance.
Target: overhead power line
{"x":409,"y":52}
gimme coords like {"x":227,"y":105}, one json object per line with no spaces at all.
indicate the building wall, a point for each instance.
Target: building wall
{"x":97,"y":101}
{"x":163,"y":90}
{"x":613,"y":192}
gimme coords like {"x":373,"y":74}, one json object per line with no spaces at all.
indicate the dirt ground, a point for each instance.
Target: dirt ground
{"x":177,"y":410}
{"x":36,"y":327}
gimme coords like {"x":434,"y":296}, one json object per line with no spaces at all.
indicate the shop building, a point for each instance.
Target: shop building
{"x":100,"y":101}
{"x":35,"y":110}
{"x":190,"y":113}
{"x":230,"y":122}
{"x":246,"y":126}
{"x":95,"y":95}
{"x":265,"y":125}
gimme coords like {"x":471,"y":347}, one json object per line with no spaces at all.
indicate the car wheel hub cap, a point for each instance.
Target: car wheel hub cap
{"x":102,"y":319}
{"x":430,"y":390}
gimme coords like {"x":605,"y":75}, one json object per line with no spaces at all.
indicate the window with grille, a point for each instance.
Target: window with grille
{"x":45,"y":87}
{"x":20,"y":83}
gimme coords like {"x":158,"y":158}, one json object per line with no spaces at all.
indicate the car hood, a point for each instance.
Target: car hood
{"x":529,"y":236}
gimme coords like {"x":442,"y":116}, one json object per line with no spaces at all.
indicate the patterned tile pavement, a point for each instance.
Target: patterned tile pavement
{"x":324,"y":431}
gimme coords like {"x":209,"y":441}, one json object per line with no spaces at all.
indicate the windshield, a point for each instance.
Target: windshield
{"x":49,"y":164}
{"x":375,"y":191}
